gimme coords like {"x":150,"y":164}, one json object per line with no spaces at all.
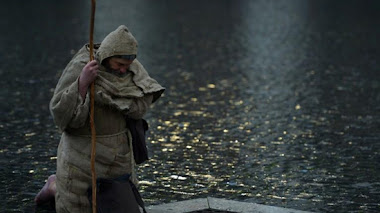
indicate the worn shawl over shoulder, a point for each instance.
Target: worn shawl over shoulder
{"x":117,"y":91}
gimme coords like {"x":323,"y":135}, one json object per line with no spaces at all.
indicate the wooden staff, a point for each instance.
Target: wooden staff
{"x":92,"y":95}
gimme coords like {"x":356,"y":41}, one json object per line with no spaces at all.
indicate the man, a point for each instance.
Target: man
{"x":123,"y":89}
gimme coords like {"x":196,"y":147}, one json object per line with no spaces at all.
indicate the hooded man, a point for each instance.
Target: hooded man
{"x":123,"y":89}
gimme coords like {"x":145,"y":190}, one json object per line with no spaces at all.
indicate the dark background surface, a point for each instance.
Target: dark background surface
{"x":272,"y":102}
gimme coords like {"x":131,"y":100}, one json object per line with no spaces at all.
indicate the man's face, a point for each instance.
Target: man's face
{"x":119,"y":64}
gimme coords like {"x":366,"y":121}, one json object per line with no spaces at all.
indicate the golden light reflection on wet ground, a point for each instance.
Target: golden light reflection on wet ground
{"x":258,"y":132}
{"x":193,"y":143}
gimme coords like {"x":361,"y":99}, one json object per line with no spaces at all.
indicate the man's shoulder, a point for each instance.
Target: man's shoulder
{"x":82,"y":55}
{"x":84,"y":50}
{"x":79,"y":60}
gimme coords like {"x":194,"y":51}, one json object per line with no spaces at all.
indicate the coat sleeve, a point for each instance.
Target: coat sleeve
{"x":67,"y":106}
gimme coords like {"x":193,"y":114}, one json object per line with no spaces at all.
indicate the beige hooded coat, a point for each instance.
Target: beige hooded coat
{"x":115,"y":98}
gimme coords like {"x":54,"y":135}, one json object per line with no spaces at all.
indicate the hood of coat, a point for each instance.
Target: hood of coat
{"x":118,"y":42}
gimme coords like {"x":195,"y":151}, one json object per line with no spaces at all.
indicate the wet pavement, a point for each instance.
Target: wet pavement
{"x":272,"y":102}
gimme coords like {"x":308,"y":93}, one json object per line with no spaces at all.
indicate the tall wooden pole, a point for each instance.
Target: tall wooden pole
{"x":92,"y":95}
